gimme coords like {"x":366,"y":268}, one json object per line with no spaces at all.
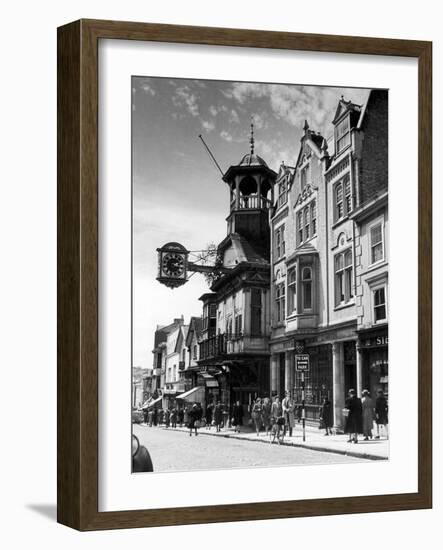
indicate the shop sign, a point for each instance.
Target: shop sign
{"x":302,"y":362}
{"x":374,"y":342}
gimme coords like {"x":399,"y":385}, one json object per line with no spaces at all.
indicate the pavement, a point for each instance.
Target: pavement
{"x":374,"y":449}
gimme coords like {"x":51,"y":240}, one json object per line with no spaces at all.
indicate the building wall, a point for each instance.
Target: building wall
{"x":371,"y":275}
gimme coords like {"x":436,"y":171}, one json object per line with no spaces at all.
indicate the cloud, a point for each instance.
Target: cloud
{"x":208,"y":125}
{"x":294,"y":104}
{"x":226,"y":135}
{"x":147,"y":88}
{"x":184,"y":97}
{"x":233,"y":116}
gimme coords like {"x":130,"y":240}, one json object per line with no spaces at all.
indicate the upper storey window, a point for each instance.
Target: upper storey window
{"x":280,"y":247}
{"x":304,"y":176}
{"x":342,"y":198}
{"x":282,"y":193}
{"x":342,"y":135}
{"x":307,"y":222}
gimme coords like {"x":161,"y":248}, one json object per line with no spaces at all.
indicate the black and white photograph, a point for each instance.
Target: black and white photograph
{"x":260,"y":261}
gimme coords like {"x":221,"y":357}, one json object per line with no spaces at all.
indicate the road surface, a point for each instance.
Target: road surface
{"x":172,"y":450}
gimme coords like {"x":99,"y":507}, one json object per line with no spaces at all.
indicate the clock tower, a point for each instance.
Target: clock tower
{"x":251,"y":186}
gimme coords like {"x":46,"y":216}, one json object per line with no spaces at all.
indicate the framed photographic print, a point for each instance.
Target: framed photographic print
{"x":244,"y":275}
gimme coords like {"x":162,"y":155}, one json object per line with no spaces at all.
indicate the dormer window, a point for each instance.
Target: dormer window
{"x":342,"y":135}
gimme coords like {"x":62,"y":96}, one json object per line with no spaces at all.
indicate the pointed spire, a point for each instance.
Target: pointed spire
{"x":306,"y":126}
{"x":251,"y":140}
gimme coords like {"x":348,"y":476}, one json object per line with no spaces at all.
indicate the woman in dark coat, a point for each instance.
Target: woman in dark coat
{"x":381,"y":413}
{"x":354,"y":418}
{"x":237,"y":416}
{"x":326,"y":416}
{"x":218,"y":416}
{"x":208,"y":415}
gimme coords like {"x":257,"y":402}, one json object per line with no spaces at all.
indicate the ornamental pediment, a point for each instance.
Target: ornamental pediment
{"x":305,"y":194}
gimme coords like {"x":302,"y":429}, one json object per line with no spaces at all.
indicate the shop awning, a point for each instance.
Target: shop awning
{"x":154,"y":402}
{"x":196,"y":394}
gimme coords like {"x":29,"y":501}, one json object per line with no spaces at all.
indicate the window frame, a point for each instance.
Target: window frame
{"x":292,"y":290}
{"x":304,"y":282}
{"x":374,"y":289}
{"x":379,"y":221}
{"x":280,"y":245}
{"x":346,"y":201}
{"x":342,"y":137}
{"x":344,"y":274}
{"x":280,"y":301}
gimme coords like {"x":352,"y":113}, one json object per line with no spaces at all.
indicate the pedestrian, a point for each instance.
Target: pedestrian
{"x":193,"y":419}
{"x":145,"y":411}
{"x":266,"y":414}
{"x":257,"y":415}
{"x":208,"y":415}
{"x":155,"y":416}
{"x":180,"y":415}
{"x":353,"y":416}
{"x":167,"y":417}
{"x":173,"y":417}
{"x":161,"y":416}
{"x":368,"y":414}
{"x":218,"y":416}
{"x":381,"y":413}
{"x":288,"y":407}
{"x":237,"y":416}
{"x":326,"y":416}
{"x":277,"y":420}
{"x":151,"y":418}
{"x":186,"y":416}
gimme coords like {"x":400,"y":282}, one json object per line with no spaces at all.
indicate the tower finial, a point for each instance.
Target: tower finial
{"x":251,"y":140}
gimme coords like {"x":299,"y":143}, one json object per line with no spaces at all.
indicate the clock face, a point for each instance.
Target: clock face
{"x":173,"y":264}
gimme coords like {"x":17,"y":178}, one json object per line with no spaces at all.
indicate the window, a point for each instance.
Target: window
{"x":313,"y":218}
{"x":292,"y":290}
{"x":282,"y":193}
{"x":343,"y":277}
{"x":304,"y":176}
{"x":306,"y":281}
{"x":229,"y":327}
{"x":306,"y":222}
{"x":300,"y":227}
{"x":376,"y":236}
{"x":280,"y":302}
{"x":342,"y":198}
{"x":256,"y":311}
{"x":342,"y":134}
{"x":379,"y":304}
{"x":238,"y":325}
{"x":194,"y":352}
{"x":280,"y":242}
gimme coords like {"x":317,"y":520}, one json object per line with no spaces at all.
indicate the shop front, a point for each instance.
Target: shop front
{"x":373,"y":346}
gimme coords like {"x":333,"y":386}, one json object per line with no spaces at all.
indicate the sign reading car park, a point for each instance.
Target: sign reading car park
{"x":302,"y":362}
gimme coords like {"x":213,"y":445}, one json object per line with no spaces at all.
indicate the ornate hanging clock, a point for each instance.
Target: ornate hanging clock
{"x":172,"y":264}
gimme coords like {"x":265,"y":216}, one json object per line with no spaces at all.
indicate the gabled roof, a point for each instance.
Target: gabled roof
{"x":345,"y":107}
{"x":182,"y":332}
{"x":314,"y":140}
{"x":195,"y":327}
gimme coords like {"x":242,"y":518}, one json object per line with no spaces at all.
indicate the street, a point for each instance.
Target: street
{"x":172,"y":450}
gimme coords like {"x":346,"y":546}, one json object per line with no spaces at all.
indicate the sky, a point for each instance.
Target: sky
{"x":178,"y":193}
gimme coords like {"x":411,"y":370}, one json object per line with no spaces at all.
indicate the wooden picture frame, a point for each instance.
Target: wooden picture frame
{"x":77,"y":479}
